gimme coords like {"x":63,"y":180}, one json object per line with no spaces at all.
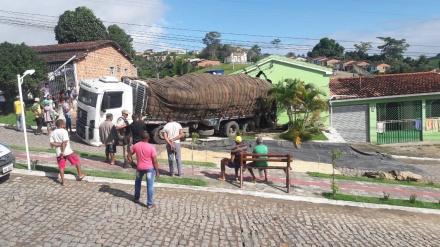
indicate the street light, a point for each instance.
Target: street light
{"x":20,"y":81}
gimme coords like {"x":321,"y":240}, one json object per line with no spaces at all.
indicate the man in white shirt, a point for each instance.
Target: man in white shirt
{"x":172,"y":133}
{"x":45,"y":90}
{"x":60,"y":139}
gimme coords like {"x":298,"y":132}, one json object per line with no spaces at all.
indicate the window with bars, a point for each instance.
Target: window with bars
{"x":433,"y":108}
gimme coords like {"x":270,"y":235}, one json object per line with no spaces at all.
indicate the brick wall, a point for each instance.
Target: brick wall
{"x":98,"y":63}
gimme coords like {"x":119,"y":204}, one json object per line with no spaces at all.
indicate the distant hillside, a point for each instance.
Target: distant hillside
{"x":226,"y":67}
{"x":434,"y":61}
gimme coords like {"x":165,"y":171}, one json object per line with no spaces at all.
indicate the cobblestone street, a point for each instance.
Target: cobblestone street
{"x":36,"y":211}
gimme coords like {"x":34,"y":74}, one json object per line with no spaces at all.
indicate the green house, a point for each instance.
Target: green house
{"x":387,"y":108}
{"x":278,"y":68}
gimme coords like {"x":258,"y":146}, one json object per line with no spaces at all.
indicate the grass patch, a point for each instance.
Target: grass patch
{"x":395,"y":202}
{"x":319,"y":137}
{"x":95,"y":155}
{"x":11,"y":120}
{"x":373,"y":180}
{"x":118,"y":175}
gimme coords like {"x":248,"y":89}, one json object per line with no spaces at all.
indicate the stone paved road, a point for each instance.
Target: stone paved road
{"x":36,"y":211}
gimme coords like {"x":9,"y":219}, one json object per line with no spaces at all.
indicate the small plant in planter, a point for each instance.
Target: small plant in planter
{"x":386,"y":196}
{"x":413,"y":198}
{"x":336,"y":155}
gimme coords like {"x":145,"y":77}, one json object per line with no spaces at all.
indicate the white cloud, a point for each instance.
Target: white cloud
{"x":148,"y":13}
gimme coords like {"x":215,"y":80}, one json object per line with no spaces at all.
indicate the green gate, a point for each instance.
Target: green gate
{"x":399,"y":122}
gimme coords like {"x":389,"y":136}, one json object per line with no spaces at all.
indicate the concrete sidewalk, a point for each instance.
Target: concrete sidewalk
{"x":302,"y":183}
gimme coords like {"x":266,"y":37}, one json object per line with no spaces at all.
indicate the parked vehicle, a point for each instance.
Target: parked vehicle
{"x":7,"y":160}
{"x":206,"y":103}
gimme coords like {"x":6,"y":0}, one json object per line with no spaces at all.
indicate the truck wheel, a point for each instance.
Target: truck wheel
{"x":248,"y":127}
{"x":231,"y":129}
{"x":156,"y":135}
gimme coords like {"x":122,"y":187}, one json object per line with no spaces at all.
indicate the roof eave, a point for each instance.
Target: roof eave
{"x":386,"y":97}
{"x":282,"y":61}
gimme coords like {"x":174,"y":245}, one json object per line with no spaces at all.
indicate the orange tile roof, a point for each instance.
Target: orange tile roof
{"x":62,"y":52}
{"x":385,"y":85}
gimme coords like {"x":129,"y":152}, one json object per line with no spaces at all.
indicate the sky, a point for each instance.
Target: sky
{"x":182,"y":24}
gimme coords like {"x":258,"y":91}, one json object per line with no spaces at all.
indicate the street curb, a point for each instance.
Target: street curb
{"x":413,"y":158}
{"x":236,"y":192}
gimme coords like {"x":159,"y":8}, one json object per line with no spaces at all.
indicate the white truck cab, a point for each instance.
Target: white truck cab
{"x":96,"y":98}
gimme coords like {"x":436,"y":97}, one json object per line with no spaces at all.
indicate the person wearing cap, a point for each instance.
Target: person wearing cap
{"x":234,"y":161}
{"x":36,"y":109}
{"x":123,"y":131}
{"x":18,"y":107}
{"x":172,"y":133}
{"x":260,"y":148}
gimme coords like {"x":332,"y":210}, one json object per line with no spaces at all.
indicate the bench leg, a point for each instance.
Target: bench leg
{"x":241,"y":177}
{"x":288,"y":180}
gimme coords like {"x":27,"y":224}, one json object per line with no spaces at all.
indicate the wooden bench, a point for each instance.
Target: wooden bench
{"x":285,"y":158}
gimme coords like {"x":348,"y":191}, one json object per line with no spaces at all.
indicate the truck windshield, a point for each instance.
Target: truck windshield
{"x":87,"y":97}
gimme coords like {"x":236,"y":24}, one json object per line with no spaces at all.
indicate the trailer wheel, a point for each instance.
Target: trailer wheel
{"x":248,"y":127}
{"x":231,"y":129}
{"x":157,"y":138}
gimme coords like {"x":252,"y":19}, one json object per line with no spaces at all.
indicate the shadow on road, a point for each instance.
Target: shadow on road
{"x":118,"y":193}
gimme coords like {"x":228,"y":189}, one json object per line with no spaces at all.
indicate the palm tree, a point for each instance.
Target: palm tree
{"x":297,"y":98}
{"x":310,"y":102}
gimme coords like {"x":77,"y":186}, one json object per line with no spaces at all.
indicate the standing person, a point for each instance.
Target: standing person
{"x":36,"y":109}
{"x":17,"y":110}
{"x":146,"y":164}
{"x":67,"y":115}
{"x":47,"y":115}
{"x":107,"y":133}
{"x":123,"y":131}
{"x":137,"y":128}
{"x":172,"y":133}
{"x":2,"y":103}
{"x":60,"y":139}
{"x":259,"y":149}
{"x":72,"y":91}
{"x":45,"y":90}
{"x":234,"y":161}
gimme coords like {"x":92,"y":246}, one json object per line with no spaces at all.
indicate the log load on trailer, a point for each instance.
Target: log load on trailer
{"x":204,"y":103}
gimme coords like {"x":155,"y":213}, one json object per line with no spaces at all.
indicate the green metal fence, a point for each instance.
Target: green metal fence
{"x":399,"y":122}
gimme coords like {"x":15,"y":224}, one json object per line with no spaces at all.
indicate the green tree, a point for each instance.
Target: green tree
{"x":159,"y":63}
{"x":328,"y":48}
{"x":16,"y":59}
{"x":361,"y":52}
{"x":225,"y":51}
{"x":181,"y":67}
{"x":78,"y":26}
{"x":254,"y":54}
{"x":276,"y":42}
{"x":393,"y":48}
{"x":213,"y":44}
{"x":298,"y":99}
{"x":118,"y":34}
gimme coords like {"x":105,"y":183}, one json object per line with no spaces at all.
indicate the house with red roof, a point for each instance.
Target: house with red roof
{"x":72,"y":62}
{"x":386,"y":108}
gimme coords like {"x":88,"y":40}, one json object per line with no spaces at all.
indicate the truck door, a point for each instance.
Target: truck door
{"x":111,"y":103}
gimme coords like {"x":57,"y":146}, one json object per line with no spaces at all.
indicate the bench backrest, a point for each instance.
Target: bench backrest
{"x":287,"y":158}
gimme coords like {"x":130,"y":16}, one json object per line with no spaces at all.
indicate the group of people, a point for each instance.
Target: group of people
{"x":48,"y":110}
{"x":135,"y":141}
{"x":135,"y":135}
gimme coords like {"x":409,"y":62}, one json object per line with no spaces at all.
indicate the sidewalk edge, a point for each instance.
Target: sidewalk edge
{"x":236,"y":192}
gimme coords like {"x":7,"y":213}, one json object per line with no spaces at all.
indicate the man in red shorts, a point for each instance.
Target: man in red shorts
{"x":60,"y":139}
